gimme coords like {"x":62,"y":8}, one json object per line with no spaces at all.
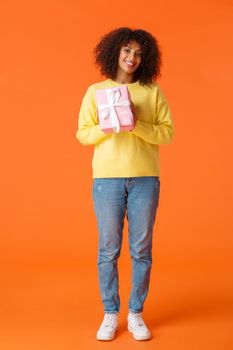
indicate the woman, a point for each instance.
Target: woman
{"x":126,"y":171}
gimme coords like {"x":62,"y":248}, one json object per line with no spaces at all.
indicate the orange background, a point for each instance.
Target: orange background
{"x":49,"y":289}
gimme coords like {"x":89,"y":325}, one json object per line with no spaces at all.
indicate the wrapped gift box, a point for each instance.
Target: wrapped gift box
{"x":113,"y":109}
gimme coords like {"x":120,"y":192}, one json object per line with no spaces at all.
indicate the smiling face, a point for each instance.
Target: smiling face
{"x":130,"y":57}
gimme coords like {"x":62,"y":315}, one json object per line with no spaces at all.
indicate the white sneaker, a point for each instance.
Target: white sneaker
{"x":137,"y":326}
{"x":108,"y":327}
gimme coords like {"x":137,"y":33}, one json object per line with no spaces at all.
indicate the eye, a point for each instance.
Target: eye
{"x":139,"y":54}
{"x":127,"y":50}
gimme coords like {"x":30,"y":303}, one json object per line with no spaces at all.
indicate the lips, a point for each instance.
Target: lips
{"x":130,"y":64}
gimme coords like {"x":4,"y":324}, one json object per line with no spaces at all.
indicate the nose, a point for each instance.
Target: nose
{"x":131,"y":57}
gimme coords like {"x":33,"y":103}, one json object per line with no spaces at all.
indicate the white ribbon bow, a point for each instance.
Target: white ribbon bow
{"x":105,"y":110}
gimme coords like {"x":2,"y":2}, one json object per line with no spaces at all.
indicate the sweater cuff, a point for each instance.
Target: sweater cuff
{"x":140,"y":128}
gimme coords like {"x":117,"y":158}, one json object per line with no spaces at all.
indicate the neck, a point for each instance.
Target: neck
{"x":124,"y":78}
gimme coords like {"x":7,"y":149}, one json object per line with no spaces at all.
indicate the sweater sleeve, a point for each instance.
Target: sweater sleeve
{"x":162,"y":131}
{"x":89,"y":132}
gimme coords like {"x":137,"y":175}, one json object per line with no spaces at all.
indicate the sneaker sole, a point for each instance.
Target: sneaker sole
{"x":98,"y":337}
{"x":146,"y":337}
{"x":104,"y":339}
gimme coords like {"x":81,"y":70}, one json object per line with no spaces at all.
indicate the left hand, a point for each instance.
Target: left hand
{"x":133,"y":109}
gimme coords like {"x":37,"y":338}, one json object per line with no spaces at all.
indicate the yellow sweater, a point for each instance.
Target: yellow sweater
{"x":127,"y":153}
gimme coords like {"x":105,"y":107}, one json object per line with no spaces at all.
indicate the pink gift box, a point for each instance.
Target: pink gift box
{"x":113,"y":109}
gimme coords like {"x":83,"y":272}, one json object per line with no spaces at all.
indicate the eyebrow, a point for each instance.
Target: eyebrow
{"x":131,"y":47}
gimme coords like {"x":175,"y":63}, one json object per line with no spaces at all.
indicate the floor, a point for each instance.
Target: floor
{"x":45,"y":307}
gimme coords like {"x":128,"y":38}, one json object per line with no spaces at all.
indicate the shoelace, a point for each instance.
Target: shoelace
{"x":109,"y":320}
{"x":137,"y":320}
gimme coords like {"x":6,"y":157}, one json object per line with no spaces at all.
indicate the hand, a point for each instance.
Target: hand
{"x":107,"y":132}
{"x":133,"y":110}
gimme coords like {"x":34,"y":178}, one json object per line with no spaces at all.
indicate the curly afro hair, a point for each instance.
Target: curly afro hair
{"x":106,"y":54}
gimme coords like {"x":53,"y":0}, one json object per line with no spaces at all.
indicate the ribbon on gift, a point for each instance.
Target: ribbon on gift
{"x":108,"y":109}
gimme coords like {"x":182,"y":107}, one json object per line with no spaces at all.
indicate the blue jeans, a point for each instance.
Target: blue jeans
{"x":138,"y":197}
